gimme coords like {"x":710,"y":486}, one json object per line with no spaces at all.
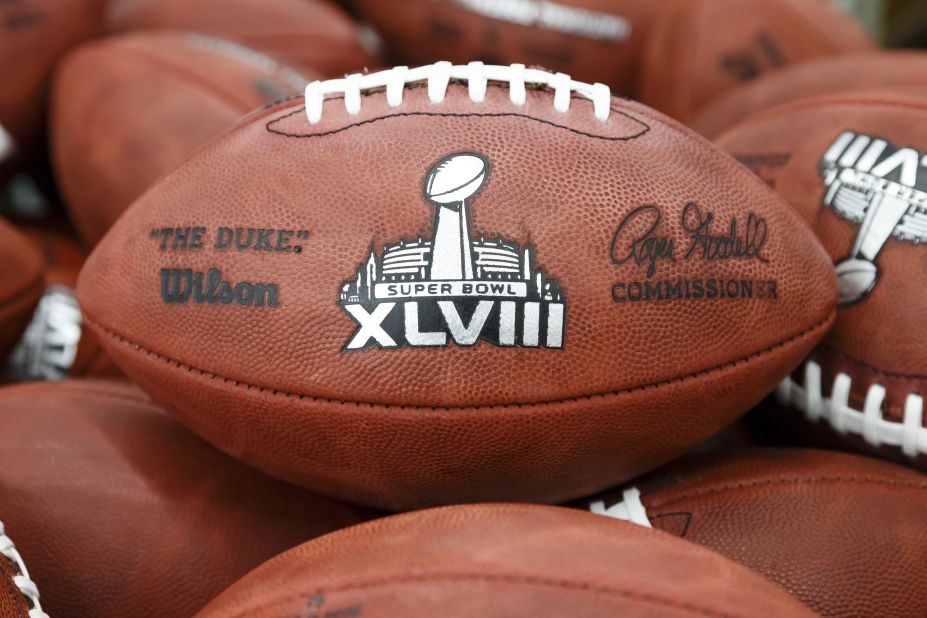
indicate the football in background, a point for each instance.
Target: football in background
{"x":830,"y":75}
{"x":502,"y":561}
{"x":33,"y":35}
{"x":699,"y":49}
{"x":127,"y":110}
{"x":315,"y":34}
{"x":754,"y":505}
{"x":853,"y":166}
{"x":21,"y":285}
{"x":591,"y":40}
{"x":120,"y":511}
{"x":57,"y":344}
{"x":416,"y":295}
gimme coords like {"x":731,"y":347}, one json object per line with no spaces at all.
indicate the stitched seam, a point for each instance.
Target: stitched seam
{"x":797,"y":480}
{"x":503,"y":578}
{"x":653,"y":385}
{"x":416,"y":86}
{"x":786,"y":109}
{"x":874,"y":369}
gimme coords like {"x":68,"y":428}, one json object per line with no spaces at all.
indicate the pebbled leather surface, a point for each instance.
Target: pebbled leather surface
{"x":122,"y":512}
{"x":13,"y":603}
{"x":634,"y":385}
{"x":502,"y":560}
{"x":878,"y":339}
{"x":831,"y":75}
{"x":21,"y":285}
{"x":128,"y":109}
{"x":33,"y":35}
{"x":698,"y":49}
{"x":418,"y":32}
{"x":843,"y":533}
{"x":314,"y":34}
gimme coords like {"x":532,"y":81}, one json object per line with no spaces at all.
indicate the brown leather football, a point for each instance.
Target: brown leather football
{"x":19,"y":595}
{"x":853,"y":166}
{"x":314,"y":34}
{"x":498,"y":561}
{"x":120,"y":511}
{"x":467,"y":283}
{"x":843,"y":533}
{"x":592,"y":40}
{"x":831,"y":75}
{"x":33,"y":34}
{"x":56,"y":343}
{"x":155,"y":97}
{"x":21,"y":285}
{"x":698,"y":49}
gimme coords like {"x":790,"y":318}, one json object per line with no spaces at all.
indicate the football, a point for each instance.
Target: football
{"x":21,"y":285}
{"x":19,"y":595}
{"x":592,"y":40}
{"x":408,"y":290}
{"x":754,"y":506}
{"x":33,"y":35}
{"x":699,"y":49}
{"x":314,"y":34}
{"x":56,"y":344}
{"x":156,"y":97}
{"x":853,"y":166}
{"x":501,"y":561}
{"x":830,"y":75}
{"x":120,"y":511}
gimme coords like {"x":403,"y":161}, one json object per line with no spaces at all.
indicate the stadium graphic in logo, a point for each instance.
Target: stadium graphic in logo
{"x":882,"y":188}
{"x":453,"y":288}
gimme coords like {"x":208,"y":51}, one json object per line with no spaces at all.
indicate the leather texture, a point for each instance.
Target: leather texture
{"x":33,"y":35}
{"x":842,"y":533}
{"x":699,"y":49}
{"x":633,"y":385}
{"x":119,"y":511}
{"x":876,"y":340}
{"x":13,"y":603}
{"x":591,"y":40}
{"x":502,"y":560}
{"x":830,"y":75}
{"x":315,"y":34}
{"x":21,"y":285}
{"x":126,"y":110}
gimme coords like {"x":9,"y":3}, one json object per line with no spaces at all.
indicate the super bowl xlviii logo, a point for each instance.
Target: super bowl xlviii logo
{"x":453,"y":288}
{"x":881,"y":187}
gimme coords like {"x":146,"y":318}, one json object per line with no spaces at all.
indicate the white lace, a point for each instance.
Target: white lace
{"x":22,"y":581}
{"x":438,"y":75}
{"x":909,"y":434}
{"x":629,"y":509}
{"x":6,"y":144}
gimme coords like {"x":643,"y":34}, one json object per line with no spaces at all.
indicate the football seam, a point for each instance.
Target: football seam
{"x":418,"y":86}
{"x":845,"y":98}
{"x":502,"y":578}
{"x":300,"y":110}
{"x":796,"y":480}
{"x":826,"y":322}
{"x":873,"y":368}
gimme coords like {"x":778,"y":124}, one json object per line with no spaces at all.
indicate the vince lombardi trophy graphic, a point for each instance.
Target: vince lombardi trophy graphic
{"x":448,"y":185}
{"x":855,"y":170}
